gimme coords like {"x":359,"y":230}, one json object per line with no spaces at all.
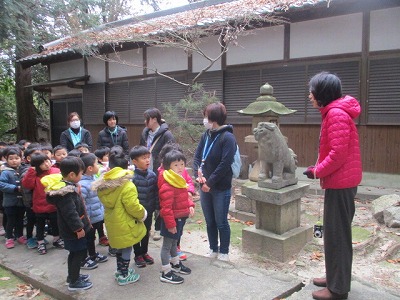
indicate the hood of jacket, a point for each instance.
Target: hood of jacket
{"x":347,"y":103}
{"x":110,"y":181}
{"x":212,"y":133}
{"x":174,"y":179}
{"x":55,"y":186}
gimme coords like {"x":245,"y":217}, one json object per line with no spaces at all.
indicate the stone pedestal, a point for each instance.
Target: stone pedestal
{"x":277,"y":234}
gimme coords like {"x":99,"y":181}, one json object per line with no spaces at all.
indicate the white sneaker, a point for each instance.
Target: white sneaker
{"x":212,"y":254}
{"x":2,"y":231}
{"x":223,"y":256}
{"x":156,"y":236}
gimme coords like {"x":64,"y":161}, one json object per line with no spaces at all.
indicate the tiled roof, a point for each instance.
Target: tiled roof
{"x":197,"y":14}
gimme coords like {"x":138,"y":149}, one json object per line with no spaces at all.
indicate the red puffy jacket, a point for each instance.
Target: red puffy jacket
{"x":31,"y":181}
{"x":174,"y":202}
{"x":339,"y":159}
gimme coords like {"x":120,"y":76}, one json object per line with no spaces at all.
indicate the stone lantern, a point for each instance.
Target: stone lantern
{"x":265,"y":109}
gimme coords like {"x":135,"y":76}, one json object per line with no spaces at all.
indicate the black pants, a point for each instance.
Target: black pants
{"x":15,"y":221}
{"x":30,"y":224}
{"x":339,"y":211}
{"x":41,"y":223}
{"x":100,"y":229}
{"x":91,"y":238}
{"x":74,"y":264}
{"x":143,"y":246}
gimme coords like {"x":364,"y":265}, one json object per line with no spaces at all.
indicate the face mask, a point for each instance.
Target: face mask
{"x":75,"y":124}
{"x":207,"y":124}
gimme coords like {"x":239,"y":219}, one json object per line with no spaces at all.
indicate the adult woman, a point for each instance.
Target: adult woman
{"x":212,"y":164}
{"x":75,"y":133}
{"x":113,"y":134}
{"x":339,"y":169}
{"x":154,"y":136}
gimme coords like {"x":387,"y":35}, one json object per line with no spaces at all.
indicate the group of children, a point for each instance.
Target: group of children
{"x":79,"y":191}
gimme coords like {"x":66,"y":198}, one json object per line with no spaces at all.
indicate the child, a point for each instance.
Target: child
{"x":12,"y":198}
{"x":82,"y":147}
{"x":175,"y":207}
{"x":123,"y":215}
{"x":41,"y":166}
{"x":145,"y":181}
{"x":31,"y":242}
{"x":47,"y":149}
{"x":64,"y":192}
{"x":185,"y":174}
{"x":102,"y":155}
{"x":3,"y":218}
{"x":94,"y":209}
{"x":75,"y":153}
{"x":59,"y":153}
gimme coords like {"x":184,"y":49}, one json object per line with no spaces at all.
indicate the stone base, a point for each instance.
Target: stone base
{"x":242,"y":215}
{"x":277,"y":185}
{"x":273,"y":246}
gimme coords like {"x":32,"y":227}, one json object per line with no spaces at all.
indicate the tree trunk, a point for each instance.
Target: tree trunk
{"x":26,"y":112}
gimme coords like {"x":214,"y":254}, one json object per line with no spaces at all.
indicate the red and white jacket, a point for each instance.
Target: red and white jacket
{"x":339,"y":159}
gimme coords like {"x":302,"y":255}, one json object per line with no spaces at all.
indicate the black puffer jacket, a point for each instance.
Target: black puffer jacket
{"x":66,"y":140}
{"x":166,"y":136}
{"x":146,"y":184}
{"x":119,"y":138}
{"x":71,"y":212}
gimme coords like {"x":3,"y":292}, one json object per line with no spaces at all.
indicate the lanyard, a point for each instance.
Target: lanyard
{"x":206,"y":150}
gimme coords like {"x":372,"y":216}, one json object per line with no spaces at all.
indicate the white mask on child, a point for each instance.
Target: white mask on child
{"x":75,"y":124}
{"x":207,"y":123}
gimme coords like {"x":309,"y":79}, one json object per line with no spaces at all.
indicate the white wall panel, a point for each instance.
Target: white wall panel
{"x":64,"y":90}
{"x":129,"y":63}
{"x":385,"y":29}
{"x":166,"y":59}
{"x":329,"y":36}
{"x":264,"y":44}
{"x":212,"y":49}
{"x":96,"y":70}
{"x":67,"y":69}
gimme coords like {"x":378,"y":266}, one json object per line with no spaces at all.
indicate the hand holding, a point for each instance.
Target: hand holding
{"x":191,"y":212}
{"x":310,"y":172}
{"x":172,"y":230}
{"x":80,"y":234}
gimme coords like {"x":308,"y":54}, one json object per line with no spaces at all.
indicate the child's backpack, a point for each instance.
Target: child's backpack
{"x":237,"y":163}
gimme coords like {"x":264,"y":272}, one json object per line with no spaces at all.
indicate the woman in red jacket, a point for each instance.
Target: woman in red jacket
{"x":40,"y":167}
{"x":339,"y":169}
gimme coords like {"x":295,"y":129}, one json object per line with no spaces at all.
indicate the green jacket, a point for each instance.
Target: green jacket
{"x":123,"y":214}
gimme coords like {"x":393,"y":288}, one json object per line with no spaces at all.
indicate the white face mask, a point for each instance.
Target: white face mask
{"x":207,"y":123}
{"x":75,"y":124}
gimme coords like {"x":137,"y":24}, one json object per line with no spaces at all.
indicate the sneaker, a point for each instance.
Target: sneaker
{"x":84,"y":277}
{"x":10,"y":243}
{"x":118,"y":273}
{"x":103,"y":241}
{"x":31,"y":243}
{"x":22,"y":240}
{"x":112,"y":251}
{"x":2,"y":231}
{"x":98,"y":258}
{"x":223,"y":256}
{"x":80,"y":285}
{"x":148,"y":259}
{"x":180,"y":268}
{"x":171,"y":277}
{"x":59,"y":243}
{"x":88,"y":264}
{"x":41,"y":248}
{"x":156,"y":236}
{"x":139,"y":261}
{"x":130,"y":278}
{"x":212,"y":254}
{"x":182,"y":256}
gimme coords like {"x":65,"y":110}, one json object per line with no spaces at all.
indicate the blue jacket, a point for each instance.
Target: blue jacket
{"x":9,"y":184}
{"x":94,"y":207}
{"x":146,"y":184}
{"x":217,"y":166}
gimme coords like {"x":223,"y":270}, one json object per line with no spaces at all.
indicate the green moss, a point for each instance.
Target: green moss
{"x":360,"y":234}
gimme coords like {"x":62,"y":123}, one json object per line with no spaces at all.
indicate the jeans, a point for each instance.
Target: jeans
{"x":215,"y":205}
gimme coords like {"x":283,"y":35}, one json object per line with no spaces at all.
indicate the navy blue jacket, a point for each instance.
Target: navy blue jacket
{"x":217,"y":166}
{"x":146,"y":185}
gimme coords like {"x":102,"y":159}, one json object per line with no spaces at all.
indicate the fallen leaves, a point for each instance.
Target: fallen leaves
{"x":394,"y":261}
{"x":26,"y":290}
{"x":316,"y":255}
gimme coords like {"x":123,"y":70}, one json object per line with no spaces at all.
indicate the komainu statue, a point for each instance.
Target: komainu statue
{"x":278,"y":162}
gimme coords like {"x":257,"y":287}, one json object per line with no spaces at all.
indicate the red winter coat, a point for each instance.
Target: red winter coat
{"x":31,"y":181}
{"x":339,"y":159}
{"x":174,"y":202}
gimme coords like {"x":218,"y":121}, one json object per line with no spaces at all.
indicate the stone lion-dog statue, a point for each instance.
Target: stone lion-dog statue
{"x":277,"y":161}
